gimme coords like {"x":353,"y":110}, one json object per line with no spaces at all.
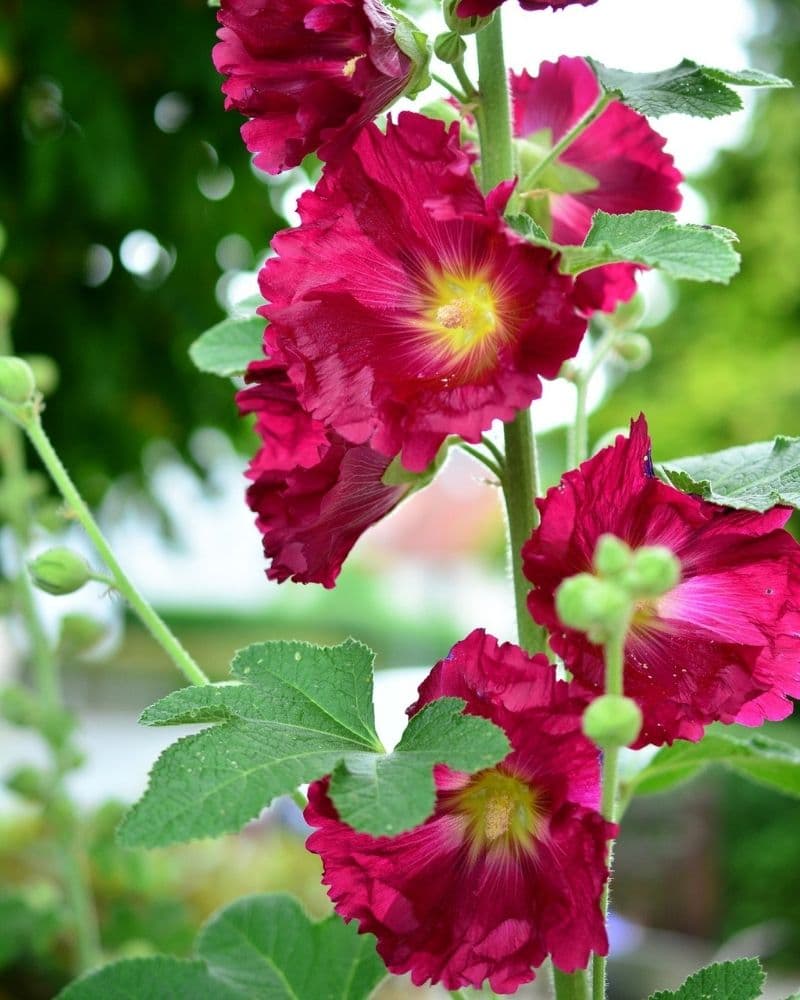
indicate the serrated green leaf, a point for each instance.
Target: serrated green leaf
{"x":148,"y":978}
{"x":382,"y":794}
{"x":266,"y":948}
{"x":258,"y":948}
{"x":655,"y":239}
{"x":763,"y":760}
{"x":229,"y":347}
{"x":739,"y":980}
{"x":687,"y":88}
{"x":527,"y":227}
{"x":752,"y":477}
{"x":295,"y":713}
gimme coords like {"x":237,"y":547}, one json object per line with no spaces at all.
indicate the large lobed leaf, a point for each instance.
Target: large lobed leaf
{"x":759,"y":758}
{"x":294,"y":713}
{"x":750,"y":477}
{"x":738,"y":980}
{"x":687,"y":88}
{"x":259,"y":948}
{"x":229,"y":347}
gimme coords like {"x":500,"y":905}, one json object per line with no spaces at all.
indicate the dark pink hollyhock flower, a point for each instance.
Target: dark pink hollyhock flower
{"x":308,"y":73}
{"x":404,"y":307}
{"x":314,"y":493}
{"x":467,"y":8}
{"x":510,"y":866}
{"x":724,"y":644}
{"x":618,"y":165}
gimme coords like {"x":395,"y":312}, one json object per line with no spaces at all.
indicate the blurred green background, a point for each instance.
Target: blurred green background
{"x":112,"y":124}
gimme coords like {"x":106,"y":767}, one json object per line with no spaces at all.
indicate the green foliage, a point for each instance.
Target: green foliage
{"x":751,"y":477}
{"x":725,"y":361}
{"x":686,"y":89}
{"x":294,"y":713}
{"x":84,"y":164}
{"x":761,"y":759}
{"x":259,"y":948}
{"x":229,"y":347}
{"x":30,"y":922}
{"x":655,"y":239}
{"x":739,"y":980}
{"x":373,"y":791}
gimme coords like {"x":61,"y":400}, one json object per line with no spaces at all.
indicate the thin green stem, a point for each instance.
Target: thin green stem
{"x":29,"y":419}
{"x":484,"y":459}
{"x":48,"y":684}
{"x":579,"y":442}
{"x":487,"y":443}
{"x":449,"y":87}
{"x":470,"y":90}
{"x":457,"y":994}
{"x":566,"y":140}
{"x":299,"y":799}
{"x":615,"y":661}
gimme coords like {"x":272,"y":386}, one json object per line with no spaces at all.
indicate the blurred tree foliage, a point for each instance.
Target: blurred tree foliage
{"x":84,"y":164}
{"x":726,"y":364}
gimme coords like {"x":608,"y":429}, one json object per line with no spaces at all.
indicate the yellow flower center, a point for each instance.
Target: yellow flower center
{"x":502,"y":814}
{"x":461,"y":315}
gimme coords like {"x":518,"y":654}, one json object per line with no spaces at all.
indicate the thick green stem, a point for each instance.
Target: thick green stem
{"x":148,"y":616}
{"x":570,"y":986}
{"x":615,"y":660}
{"x":520,"y":482}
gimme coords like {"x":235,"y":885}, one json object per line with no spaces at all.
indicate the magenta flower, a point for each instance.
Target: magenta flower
{"x":467,"y":8}
{"x":404,"y":307}
{"x":314,"y":494}
{"x":308,"y":73}
{"x":724,"y":644}
{"x":510,"y":866}
{"x":618,"y":165}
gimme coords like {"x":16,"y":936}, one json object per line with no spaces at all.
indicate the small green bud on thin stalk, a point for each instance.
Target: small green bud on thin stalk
{"x":463,"y":25}
{"x":59,"y":571}
{"x":597,"y":607}
{"x":80,"y":633}
{"x":449,"y":47}
{"x":45,"y":372}
{"x":654,"y":571}
{"x":634,"y":350}
{"x":612,"y":556}
{"x":612,"y":721}
{"x":17,"y":384}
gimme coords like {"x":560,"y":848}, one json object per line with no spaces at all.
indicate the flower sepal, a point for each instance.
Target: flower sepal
{"x":415,"y":44}
{"x":398,"y":475}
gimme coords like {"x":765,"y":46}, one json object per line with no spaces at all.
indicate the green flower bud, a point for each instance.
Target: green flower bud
{"x":599,"y":608}
{"x":449,"y":47}
{"x":463,"y":25}
{"x":19,"y":707}
{"x":654,"y":570}
{"x":17,"y":384}
{"x":59,"y":571}
{"x":80,"y":632}
{"x":611,"y":556}
{"x":634,"y":349}
{"x":45,"y":372}
{"x":629,"y":315}
{"x":29,"y":783}
{"x":612,"y":721}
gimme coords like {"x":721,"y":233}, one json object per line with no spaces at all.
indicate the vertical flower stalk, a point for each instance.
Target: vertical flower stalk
{"x":520,"y":484}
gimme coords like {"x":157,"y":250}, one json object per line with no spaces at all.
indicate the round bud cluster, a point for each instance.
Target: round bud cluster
{"x":449,"y":47}
{"x":612,"y":721}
